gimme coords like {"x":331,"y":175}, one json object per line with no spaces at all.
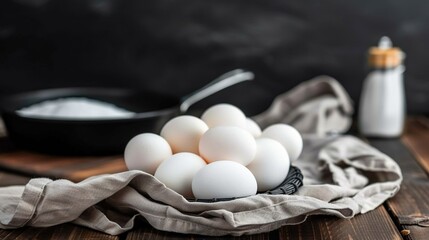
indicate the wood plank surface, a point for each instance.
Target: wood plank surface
{"x":376,"y":224}
{"x":154,"y":234}
{"x":415,"y":232}
{"x":71,"y":168}
{"x":410,"y":204}
{"x":63,"y":232}
{"x":416,"y":138}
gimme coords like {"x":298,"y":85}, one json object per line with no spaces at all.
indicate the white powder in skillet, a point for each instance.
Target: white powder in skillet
{"x":75,"y":108}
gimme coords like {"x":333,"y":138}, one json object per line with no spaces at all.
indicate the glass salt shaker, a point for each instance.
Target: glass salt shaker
{"x":382,"y":103}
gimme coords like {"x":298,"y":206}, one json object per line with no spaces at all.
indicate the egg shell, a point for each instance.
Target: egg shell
{"x":145,"y":152}
{"x":224,"y":115}
{"x":226,"y":142}
{"x":183,"y":133}
{"x":223,"y":179}
{"x":270,"y":165}
{"x":178,"y":171}
{"x":288,"y":136}
{"x":253,"y":128}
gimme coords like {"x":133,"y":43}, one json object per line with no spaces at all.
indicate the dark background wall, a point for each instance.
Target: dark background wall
{"x":175,"y":47}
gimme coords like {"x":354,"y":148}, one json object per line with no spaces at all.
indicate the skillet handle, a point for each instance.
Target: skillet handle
{"x":226,"y":80}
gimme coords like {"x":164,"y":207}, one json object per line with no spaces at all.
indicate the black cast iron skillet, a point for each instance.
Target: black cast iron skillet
{"x":100,"y":136}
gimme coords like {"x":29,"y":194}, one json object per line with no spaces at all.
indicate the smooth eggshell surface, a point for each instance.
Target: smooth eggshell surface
{"x":223,"y":179}
{"x":288,"y":136}
{"x":146,"y":151}
{"x":178,"y":171}
{"x":225,"y":142}
{"x":183,"y":133}
{"x":253,"y":128}
{"x":271,"y":164}
{"x":224,"y":115}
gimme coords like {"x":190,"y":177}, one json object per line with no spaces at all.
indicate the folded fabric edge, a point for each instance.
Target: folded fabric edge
{"x":29,"y":200}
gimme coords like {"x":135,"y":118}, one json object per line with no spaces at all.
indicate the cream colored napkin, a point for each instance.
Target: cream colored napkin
{"x":343,"y":176}
{"x":319,"y":106}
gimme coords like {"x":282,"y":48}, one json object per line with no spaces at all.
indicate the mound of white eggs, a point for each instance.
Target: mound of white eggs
{"x":222,"y":155}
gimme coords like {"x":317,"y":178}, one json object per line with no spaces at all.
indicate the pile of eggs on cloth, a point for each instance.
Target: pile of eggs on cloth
{"x":223,"y":154}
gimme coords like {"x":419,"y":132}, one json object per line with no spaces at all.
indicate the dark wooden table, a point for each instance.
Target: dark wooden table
{"x":396,"y":219}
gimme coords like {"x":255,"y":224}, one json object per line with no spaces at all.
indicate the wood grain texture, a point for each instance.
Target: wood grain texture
{"x":63,"y":232}
{"x":416,"y":232}
{"x":72,"y":168}
{"x":376,"y":224}
{"x":416,"y":138}
{"x":409,"y":205}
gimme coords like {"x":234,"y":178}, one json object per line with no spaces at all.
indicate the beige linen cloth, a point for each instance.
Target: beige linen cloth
{"x":343,"y":177}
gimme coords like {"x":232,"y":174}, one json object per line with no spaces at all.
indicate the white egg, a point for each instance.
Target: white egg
{"x":224,"y":115}
{"x":253,"y":128}
{"x":146,"y":151}
{"x":271,"y":164}
{"x":178,"y":171}
{"x":226,"y":142}
{"x":183,"y":133}
{"x":288,"y":136}
{"x":223,"y":179}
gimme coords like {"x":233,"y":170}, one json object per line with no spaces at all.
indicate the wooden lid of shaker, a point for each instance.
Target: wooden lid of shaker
{"x":384,"y":55}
